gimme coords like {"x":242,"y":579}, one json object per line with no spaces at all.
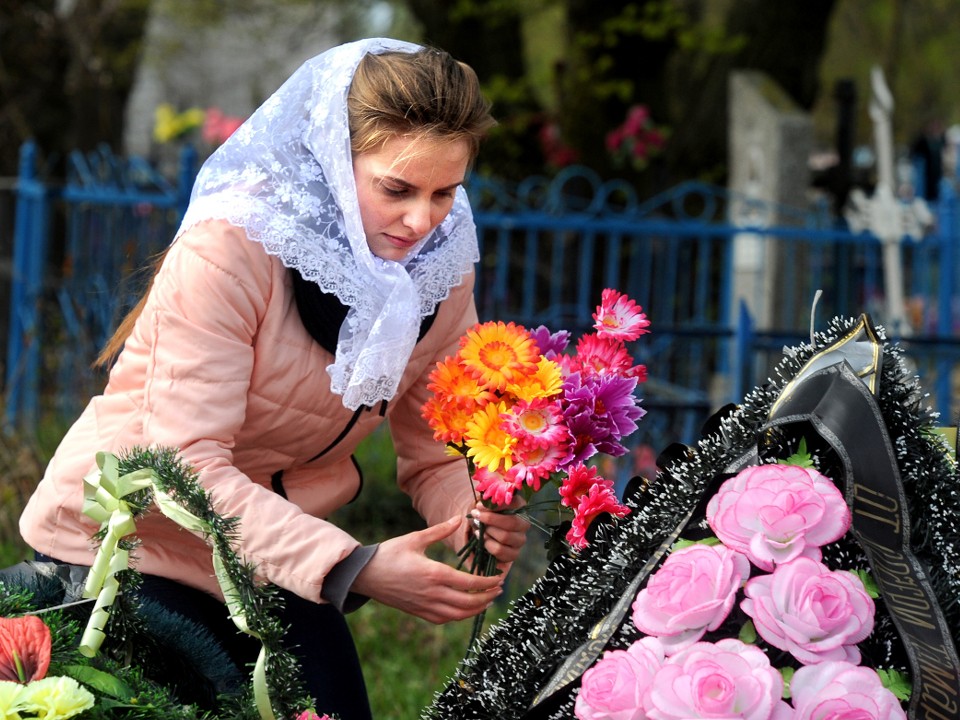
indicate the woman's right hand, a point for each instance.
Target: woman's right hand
{"x":402,"y":576}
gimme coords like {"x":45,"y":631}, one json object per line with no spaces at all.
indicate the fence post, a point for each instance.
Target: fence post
{"x":742,"y":358}
{"x":29,"y":253}
{"x":948,"y":235}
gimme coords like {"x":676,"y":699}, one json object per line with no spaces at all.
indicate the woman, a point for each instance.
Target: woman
{"x":324,"y":266}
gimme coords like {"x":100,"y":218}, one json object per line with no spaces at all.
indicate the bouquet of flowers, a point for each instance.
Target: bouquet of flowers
{"x":524,"y":413}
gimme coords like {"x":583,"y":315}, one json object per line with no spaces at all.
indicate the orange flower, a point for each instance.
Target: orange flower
{"x":24,"y":648}
{"x":545,"y":382}
{"x":451,"y":383}
{"x":448,"y":420}
{"x":497,"y":353}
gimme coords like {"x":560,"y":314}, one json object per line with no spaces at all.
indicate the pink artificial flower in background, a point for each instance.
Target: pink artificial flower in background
{"x":614,"y":688}
{"x":814,"y":613}
{"x":842,"y":691}
{"x":692,"y":592}
{"x":775,"y":513}
{"x":619,"y":317}
{"x":726,"y":679}
{"x":217,"y":126}
{"x":311,"y":715}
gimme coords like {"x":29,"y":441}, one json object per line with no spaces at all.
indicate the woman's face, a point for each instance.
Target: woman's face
{"x":405,"y":189}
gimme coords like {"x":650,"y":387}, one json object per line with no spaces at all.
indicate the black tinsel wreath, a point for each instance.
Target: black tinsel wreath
{"x":556,"y":616}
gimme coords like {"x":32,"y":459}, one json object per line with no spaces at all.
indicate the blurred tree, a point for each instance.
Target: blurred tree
{"x":673,"y":56}
{"x":65,"y":70}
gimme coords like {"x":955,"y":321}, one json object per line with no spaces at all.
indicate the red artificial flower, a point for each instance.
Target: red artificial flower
{"x":24,"y":649}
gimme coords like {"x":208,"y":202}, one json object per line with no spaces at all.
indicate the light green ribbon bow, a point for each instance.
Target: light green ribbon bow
{"x":103,"y":491}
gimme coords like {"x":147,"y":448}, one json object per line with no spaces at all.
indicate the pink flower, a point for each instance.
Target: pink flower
{"x":814,"y":613}
{"x":311,"y":715}
{"x":535,"y":423}
{"x":602,"y":355}
{"x":841,"y":691}
{"x":775,"y":513}
{"x":620,"y":318}
{"x":495,"y":486}
{"x":599,"y":499}
{"x":580,"y":478}
{"x":531,"y":465}
{"x":728,"y":679}
{"x":691,"y":593}
{"x":613,"y":689}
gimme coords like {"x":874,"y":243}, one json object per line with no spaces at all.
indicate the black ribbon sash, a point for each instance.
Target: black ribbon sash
{"x":845,"y":414}
{"x":833,"y":394}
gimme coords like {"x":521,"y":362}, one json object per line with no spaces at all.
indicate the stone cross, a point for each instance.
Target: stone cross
{"x":887,"y":217}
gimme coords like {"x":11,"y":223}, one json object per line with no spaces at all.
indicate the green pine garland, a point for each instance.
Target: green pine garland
{"x":518,"y":655}
{"x":153,"y":664}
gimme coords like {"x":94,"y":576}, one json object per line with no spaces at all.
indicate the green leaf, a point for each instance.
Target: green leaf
{"x":896,"y":682}
{"x":787,"y":673}
{"x":869,"y":584}
{"x":748,"y":633}
{"x":801,"y":458}
{"x":101,"y":682}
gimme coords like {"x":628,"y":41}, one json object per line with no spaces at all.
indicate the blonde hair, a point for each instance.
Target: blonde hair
{"x":426,"y":94}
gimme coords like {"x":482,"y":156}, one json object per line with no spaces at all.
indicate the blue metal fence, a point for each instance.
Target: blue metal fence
{"x":548,"y":249}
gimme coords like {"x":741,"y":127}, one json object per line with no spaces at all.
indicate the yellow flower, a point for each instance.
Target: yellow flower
{"x":10,"y":700}
{"x":487,"y":443}
{"x":546,"y":382}
{"x":56,"y":698}
{"x":497,"y":353}
{"x":169,"y":125}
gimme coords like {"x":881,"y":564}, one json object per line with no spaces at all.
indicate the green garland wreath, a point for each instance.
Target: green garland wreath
{"x":556,"y":616}
{"x":143,"y":669}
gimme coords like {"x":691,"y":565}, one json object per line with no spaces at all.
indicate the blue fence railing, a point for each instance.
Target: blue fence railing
{"x":548,"y":249}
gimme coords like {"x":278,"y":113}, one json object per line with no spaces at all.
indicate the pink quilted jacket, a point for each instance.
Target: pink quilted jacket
{"x":220,"y":366}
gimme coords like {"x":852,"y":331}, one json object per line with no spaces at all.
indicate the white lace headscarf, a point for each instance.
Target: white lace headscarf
{"x":286,"y":177}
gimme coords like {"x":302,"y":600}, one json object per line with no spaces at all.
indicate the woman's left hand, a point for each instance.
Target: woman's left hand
{"x":504,"y":534}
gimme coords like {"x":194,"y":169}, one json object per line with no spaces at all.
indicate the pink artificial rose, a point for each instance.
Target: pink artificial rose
{"x":727,"y":679}
{"x":311,"y":715}
{"x":775,"y":513}
{"x":691,"y":593}
{"x":841,"y":691}
{"x":613,"y":689}
{"x":814,"y":613}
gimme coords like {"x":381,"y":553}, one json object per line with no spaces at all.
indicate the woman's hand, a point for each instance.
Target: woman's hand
{"x":505,"y":533}
{"x":402,"y":576}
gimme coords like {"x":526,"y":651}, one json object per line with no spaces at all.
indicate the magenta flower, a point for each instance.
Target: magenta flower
{"x":311,"y":715}
{"x":812,"y":612}
{"x":599,"y":499}
{"x":614,"y":688}
{"x":841,"y":691}
{"x":599,"y":355}
{"x":619,"y":318}
{"x":550,"y":344}
{"x":495,"y":486}
{"x":580,"y":478}
{"x":692,"y":592}
{"x":775,"y":513}
{"x":727,"y":679}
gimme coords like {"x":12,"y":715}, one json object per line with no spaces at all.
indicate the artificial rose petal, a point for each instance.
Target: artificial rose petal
{"x":25,"y":638}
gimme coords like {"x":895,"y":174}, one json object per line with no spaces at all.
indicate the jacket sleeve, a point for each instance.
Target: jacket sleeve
{"x":437,"y":482}
{"x":200,"y":321}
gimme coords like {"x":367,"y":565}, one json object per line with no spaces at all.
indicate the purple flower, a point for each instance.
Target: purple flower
{"x":602,"y":408}
{"x":550,"y":344}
